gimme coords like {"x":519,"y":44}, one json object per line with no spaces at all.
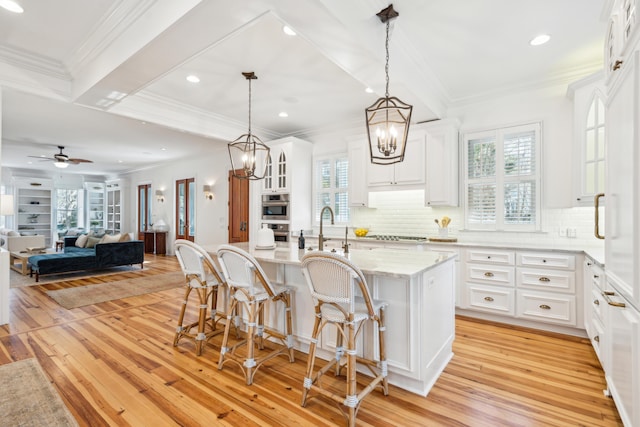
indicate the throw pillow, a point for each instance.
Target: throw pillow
{"x":125,"y":237}
{"x":13,"y":233}
{"x":108,"y":238}
{"x":91,"y":241}
{"x":81,"y":241}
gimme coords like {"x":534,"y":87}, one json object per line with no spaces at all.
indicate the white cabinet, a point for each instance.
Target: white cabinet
{"x":532,"y":288}
{"x":34,"y":209}
{"x":594,"y":303}
{"x":95,"y":205}
{"x":622,"y":372}
{"x":358,"y":159}
{"x":115,"y":206}
{"x":622,"y":35}
{"x":410,"y":173}
{"x":278,"y":164}
{"x":441,"y":186}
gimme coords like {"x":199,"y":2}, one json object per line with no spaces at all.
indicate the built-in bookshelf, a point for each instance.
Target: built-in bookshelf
{"x":33,"y":214}
{"x":114,"y":207}
{"x":95,"y":205}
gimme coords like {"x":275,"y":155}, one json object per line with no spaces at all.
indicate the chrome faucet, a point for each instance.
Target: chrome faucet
{"x":320,"y":236}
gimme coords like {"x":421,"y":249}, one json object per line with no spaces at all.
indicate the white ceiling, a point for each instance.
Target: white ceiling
{"x":87,"y":74}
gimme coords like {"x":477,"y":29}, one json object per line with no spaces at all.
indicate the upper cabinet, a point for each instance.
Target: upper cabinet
{"x":115,"y":200}
{"x":407,"y":174}
{"x":278,"y":165}
{"x":358,"y":154}
{"x":622,"y":35}
{"x":589,"y":137}
{"x":441,"y":147}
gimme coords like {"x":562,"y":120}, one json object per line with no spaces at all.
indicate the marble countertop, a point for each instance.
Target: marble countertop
{"x":382,"y":262}
{"x":594,"y":252}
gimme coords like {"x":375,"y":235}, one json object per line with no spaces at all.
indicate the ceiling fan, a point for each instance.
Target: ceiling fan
{"x":62,"y":160}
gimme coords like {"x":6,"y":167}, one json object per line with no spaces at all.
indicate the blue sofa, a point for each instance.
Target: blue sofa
{"x":103,"y":255}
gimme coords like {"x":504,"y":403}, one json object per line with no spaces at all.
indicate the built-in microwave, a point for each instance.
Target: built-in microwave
{"x":275,"y":207}
{"x":280,"y":231}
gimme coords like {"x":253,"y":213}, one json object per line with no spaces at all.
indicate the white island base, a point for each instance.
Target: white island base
{"x":420,"y":323}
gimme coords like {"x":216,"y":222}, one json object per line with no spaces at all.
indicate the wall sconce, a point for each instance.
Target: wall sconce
{"x":160,"y":196}
{"x":208,"y":192}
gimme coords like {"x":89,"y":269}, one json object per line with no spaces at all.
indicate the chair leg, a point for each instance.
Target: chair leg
{"x":340,"y":331}
{"x":383,"y":355}
{"x":311,"y":357}
{"x":250,"y":363}
{"x":225,"y":339}
{"x":351,"y":400}
{"x":289,"y":326}
{"x":183,"y":309}
{"x":201,"y":337}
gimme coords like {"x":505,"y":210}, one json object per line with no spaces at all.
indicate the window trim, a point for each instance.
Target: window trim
{"x":500,"y":180}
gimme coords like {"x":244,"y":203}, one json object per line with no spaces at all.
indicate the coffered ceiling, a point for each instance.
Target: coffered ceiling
{"x":107,"y":78}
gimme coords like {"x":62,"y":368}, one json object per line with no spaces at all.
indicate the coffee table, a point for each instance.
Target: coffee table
{"x":19,"y":261}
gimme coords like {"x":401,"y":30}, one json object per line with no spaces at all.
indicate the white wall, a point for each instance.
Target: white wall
{"x":209,"y":168}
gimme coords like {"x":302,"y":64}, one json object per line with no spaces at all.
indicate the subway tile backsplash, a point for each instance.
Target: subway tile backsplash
{"x":403,"y":213}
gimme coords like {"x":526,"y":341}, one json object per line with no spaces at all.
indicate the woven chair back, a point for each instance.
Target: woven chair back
{"x":194,"y":260}
{"x":334,"y":279}
{"x":241,"y":270}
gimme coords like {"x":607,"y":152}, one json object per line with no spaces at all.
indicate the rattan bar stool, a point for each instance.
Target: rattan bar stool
{"x":251,"y":290}
{"x":201,"y":276}
{"x":334,"y":283}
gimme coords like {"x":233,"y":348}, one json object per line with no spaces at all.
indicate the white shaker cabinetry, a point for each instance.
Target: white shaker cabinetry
{"x":489,"y":281}
{"x":277,"y":177}
{"x":546,"y":287}
{"x":441,"y":185}
{"x":115,"y":206}
{"x":358,"y":154}
{"x":408,"y":174}
{"x":593,"y":279}
{"x":95,"y":205}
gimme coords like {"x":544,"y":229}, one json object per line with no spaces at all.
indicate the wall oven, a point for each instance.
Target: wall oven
{"x":280,"y":232}
{"x":275,"y":207}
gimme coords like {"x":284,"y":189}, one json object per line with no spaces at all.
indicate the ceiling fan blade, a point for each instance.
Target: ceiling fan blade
{"x":41,"y":158}
{"x":76,"y":161}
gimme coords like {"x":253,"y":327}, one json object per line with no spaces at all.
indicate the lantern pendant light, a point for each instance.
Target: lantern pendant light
{"x":247,"y":151}
{"x":388,"y":118}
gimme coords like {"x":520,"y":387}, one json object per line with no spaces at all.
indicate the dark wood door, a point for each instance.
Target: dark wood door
{"x":185,"y":209}
{"x":144,"y":209}
{"x":238,"y":209}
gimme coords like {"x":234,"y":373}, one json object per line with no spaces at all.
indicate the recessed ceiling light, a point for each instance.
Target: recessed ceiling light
{"x":283,"y":114}
{"x":288,"y":31}
{"x":193,"y":78}
{"x":120,"y":161}
{"x":11,"y":6}
{"x":163,"y":149}
{"x":541,"y":39}
{"x":368,"y":90}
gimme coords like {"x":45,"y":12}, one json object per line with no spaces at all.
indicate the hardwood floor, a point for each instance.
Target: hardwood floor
{"x":114,"y":364}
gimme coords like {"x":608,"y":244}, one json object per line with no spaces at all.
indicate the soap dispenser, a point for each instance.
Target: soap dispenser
{"x":301,"y":241}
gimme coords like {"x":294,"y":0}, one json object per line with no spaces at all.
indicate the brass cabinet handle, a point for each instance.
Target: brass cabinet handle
{"x":544,"y":279}
{"x":607,"y":295}
{"x":617,"y":65}
{"x":596,"y":205}
{"x":595,"y":276}
{"x":488,"y":274}
{"x":488,"y":299}
{"x":545,"y":307}
{"x":596,"y":338}
{"x":596,"y":301}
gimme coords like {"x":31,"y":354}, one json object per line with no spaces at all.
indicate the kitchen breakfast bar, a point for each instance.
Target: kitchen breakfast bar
{"x":419,"y":287}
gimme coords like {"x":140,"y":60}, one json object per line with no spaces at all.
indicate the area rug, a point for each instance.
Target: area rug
{"x":80,"y":296}
{"x":29,"y":399}
{"x":17,"y":280}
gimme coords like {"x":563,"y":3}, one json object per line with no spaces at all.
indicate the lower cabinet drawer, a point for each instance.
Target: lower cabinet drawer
{"x":491,"y":274}
{"x":548,"y":280}
{"x":596,"y":337}
{"x":492,"y":299}
{"x":546,"y":307}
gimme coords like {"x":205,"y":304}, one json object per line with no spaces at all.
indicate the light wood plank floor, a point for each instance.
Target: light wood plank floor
{"x":114,"y":365}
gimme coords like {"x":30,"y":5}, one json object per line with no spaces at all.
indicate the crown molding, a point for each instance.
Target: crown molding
{"x":26,"y":60}
{"x":122,"y":15}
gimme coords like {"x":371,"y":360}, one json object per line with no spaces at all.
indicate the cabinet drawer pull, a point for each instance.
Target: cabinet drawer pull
{"x":544,"y":279}
{"x":596,"y":301}
{"x":544,"y":260}
{"x":488,"y":299}
{"x":488,"y":274}
{"x":488,"y":257}
{"x":617,"y":65}
{"x":595,"y":276}
{"x":545,"y":307}
{"x":607,"y":294}
{"x":596,"y":338}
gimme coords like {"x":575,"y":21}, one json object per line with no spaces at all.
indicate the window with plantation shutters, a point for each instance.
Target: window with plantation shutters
{"x":331,"y":181}
{"x":502,"y":182}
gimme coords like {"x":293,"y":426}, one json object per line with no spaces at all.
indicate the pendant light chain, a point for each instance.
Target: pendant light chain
{"x":249,"y":106}
{"x":386,"y":66}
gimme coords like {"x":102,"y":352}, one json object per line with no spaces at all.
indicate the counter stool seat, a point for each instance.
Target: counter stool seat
{"x":251,"y":291}
{"x":334,"y":283}
{"x":201,"y":276}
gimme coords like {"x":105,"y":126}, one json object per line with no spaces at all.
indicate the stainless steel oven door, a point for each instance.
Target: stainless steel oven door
{"x":278,"y":211}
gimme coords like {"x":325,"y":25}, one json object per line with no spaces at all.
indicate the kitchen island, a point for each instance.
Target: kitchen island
{"x":419,"y":287}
